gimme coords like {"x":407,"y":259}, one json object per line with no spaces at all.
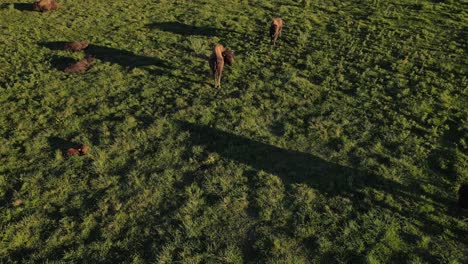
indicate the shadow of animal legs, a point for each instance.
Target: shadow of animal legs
{"x":125,"y":58}
{"x":23,"y":6}
{"x":54,"y":45}
{"x":113,"y":55}
{"x":60,"y":63}
{"x":61,"y":144}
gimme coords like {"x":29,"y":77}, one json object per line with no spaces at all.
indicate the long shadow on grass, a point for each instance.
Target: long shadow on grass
{"x":60,"y":63}
{"x":122,"y":57}
{"x":329,"y":178}
{"x":291,"y":166}
{"x":19,"y":6}
{"x":189,"y":30}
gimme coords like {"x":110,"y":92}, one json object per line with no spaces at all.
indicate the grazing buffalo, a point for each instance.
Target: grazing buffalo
{"x":76,"y":45}
{"x":45,"y":5}
{"x":217,"y":59}
{"x":275,"y":29}
{"x":80,"y":66}
{"x":79,"y":150}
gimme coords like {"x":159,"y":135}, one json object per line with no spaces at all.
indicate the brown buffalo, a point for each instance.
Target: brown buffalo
{"x":73,"y":152}
{"x":275,"y":29}
{"x":45,"y":5}
{"x":79,"y":150}
{"x":228,"y":57}
{"x":217,"y":59}
{"x":80,"y":66}
{"x":76,"y":45}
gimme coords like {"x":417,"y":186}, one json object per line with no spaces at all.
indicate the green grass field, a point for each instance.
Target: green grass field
{"x":346,"y":143}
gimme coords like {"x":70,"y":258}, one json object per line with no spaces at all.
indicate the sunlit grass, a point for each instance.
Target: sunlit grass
{"x":344,"y":143}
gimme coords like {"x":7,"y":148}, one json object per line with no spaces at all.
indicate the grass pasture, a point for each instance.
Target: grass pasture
{"x":346,"y":143}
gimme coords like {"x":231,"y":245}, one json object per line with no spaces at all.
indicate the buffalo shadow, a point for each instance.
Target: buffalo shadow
{"x":328,"y":178}
{"x":118,"y":56}
{"x":19,"y":6}
{"x":57,"y":143}
{"x":290,"y":165}
{"x":60,"y":63}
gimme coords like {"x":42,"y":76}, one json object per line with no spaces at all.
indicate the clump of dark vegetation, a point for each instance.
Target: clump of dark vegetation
{"x":463,"y":196}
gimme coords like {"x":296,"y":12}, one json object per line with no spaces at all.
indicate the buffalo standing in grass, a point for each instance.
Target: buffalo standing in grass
{"x":275,"y":29}
{"x":217,"y":59}
{"x":79,"y":150}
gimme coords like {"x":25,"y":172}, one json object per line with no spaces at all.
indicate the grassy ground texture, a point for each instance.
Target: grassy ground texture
{"x":344,"y":144}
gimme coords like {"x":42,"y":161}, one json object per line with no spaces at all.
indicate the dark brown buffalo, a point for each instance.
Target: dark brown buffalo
{"x":79,"y":150}
{"x":80,"y":66}
{"x":76,"y":45}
